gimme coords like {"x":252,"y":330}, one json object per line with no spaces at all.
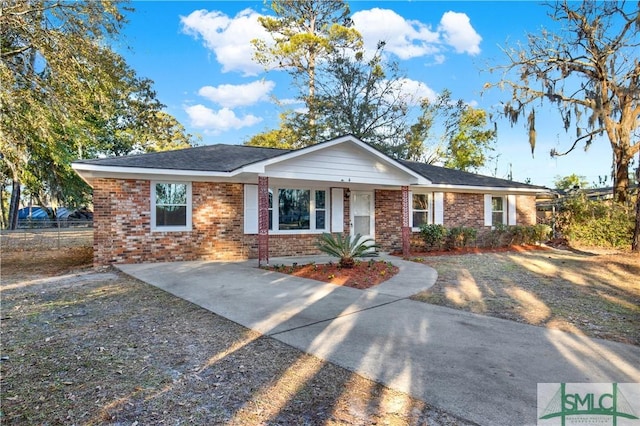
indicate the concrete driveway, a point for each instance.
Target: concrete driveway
{"x":482,"y":369}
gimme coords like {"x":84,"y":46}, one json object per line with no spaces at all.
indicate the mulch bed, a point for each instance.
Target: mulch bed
{"x":365,"y":274}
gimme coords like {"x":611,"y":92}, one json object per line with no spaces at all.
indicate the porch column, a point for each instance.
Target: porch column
{"x":406,"y":229}
{"x":263,"y":220}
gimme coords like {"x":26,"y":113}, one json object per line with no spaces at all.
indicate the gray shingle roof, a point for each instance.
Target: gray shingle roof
{"x":442,"y":175}
{"x":227,"y":158}
{"x":210,"y":158}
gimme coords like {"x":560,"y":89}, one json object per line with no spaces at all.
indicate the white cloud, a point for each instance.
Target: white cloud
{"x":411,"y":38}
{"x":417,"y":90}
{"x":218,"y":121}
{"x":458,"y":33}
{"x":229,"y":38}
{"x":414,"y":91}
{"x":405,"y":38}
{"x":289,"y":101}
{"x":233,"y":95}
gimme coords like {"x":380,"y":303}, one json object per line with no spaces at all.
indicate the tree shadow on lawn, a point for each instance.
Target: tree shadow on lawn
{"x":111,"y":349}
{"x":598,"y":296}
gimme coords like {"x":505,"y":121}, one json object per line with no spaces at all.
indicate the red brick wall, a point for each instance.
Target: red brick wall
{"x":122,"y":223}
{"x":463,"y":209}
{"x":388,"y":211}
{"x":285,"y":245}
{"x":526,"y":209}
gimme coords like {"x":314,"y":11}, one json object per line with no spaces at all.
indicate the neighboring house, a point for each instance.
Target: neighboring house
{"x":547,"y":204}
{"x":231,"y":202}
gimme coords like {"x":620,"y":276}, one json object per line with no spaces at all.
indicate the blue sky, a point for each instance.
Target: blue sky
{"x":199,"y":56}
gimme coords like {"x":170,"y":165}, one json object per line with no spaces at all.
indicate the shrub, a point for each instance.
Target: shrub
{"x":541,"y":233}
{"x":346,"y":248}
{"x":461,"y":236}
{"x":596,"y":223}
{"x":499,"y":236}
{"x":518,"y":234}
{"x":434,"y":236}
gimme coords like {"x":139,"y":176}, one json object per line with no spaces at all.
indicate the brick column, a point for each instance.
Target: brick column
{"x":406,"y":230}
{"x":263,"y":220}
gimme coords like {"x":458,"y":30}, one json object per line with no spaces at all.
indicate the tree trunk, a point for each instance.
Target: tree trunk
{"x":635,"y":242}
{"x":14,"y":205}
{"x":621,"y":178}
{"x":3,"y":213}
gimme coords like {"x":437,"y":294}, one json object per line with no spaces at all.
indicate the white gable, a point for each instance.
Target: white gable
{"x":343,"y":162}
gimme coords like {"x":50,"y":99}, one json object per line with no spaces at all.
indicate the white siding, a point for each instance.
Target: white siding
{"x":337,"y":210}
{"x":251,"y":209}
{"x":340,"y":163}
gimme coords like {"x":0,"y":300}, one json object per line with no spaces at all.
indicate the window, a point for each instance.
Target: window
{"x":171,"y":206}
{"x":270,"y":210}
{"x":293,"y":209}
{"x":497,"y":210}
{"x":420,"y":209}
{"x":301,"y":209}
{"x":321,"y":209}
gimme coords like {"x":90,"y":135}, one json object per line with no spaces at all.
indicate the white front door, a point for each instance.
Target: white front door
{"x":362,"y":214}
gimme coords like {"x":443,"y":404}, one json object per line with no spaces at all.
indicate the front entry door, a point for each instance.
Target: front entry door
{"x":362,"y":214}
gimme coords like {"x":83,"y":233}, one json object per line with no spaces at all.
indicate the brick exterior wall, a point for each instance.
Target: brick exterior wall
{"x":284,"y":245}
{"x":526,"y":210}
{"x":388,"y":213}
{"x":123,"y":233}
{"x":462,"y":209}
{"x":122,"y":224}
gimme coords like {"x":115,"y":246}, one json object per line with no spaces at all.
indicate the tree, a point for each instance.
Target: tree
{"x":590,"y":71}
{"x":570,"y":182}
{"x":364,"y":97}
{"x":304,"y":33}
{"x":284,"y":137}
{"x":469,"y":142}
{"x":50,"y":55}
{"x":464,"y":142}
{"x":67,"y":95}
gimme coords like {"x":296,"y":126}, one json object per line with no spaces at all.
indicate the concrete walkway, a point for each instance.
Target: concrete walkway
{"x":479,"y":368}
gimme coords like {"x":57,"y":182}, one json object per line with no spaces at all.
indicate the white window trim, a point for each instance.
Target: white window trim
{"x":312,"y":211}
{"x":429,"y":211}
{"x":188,"y":225}
{"x":488,"y":220}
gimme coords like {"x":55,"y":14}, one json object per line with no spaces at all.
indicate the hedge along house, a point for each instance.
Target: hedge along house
{"x":234,"y":202}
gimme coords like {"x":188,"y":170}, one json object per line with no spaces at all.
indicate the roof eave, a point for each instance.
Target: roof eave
{"x":87,"y":171}
{"x":479,"y":188}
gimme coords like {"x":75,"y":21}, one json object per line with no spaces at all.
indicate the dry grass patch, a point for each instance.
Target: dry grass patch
{"x":81,"y":346}
{"x":595,"y":295}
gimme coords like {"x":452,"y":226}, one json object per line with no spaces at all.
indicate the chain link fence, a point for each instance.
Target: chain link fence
{"x":43,"y":234}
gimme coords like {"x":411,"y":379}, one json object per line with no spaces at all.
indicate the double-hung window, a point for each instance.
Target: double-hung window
{"x":420,"y":210}
{"x":500,"y":210}
{"x":497,"y":211}
{"x":171,"y":206}
{"x":321,"y":209}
